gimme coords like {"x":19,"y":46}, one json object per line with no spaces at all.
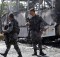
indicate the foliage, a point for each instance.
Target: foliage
{"x":3,"y":8}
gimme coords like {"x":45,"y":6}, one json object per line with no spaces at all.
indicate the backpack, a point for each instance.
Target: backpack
{"x":16,"y":28}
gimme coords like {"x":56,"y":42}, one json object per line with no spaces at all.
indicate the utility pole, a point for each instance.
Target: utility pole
{"x":1,"y":16}
{"x":26,"y":15}
{"x":40,"y":2}
{"x":0,"y":21}
{"x":17,"y":5}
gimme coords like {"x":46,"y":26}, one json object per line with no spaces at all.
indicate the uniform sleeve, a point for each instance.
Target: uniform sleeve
{"x":10,"y":28}
{"x":41,"y":19}
{"x":43,"y":22}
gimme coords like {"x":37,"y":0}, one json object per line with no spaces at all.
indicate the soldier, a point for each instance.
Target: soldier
{"x":11,"y":32}
{"x":36,"y":31}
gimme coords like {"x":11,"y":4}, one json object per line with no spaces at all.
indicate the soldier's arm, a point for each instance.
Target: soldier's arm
{"x":10,"y":28}
{"x":41,"y":23}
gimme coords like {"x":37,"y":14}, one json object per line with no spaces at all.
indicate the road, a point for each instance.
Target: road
{"x":27,"y":50}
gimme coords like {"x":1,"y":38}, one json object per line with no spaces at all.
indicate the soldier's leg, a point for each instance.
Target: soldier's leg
{"x":6,"y":52}
{"x":8,"y":48}
{"x":33,"y":36}
{"x":35,"y":49}
{"x":39,"y":40}
{"x":17,"y":49}
{"x":40,"y":47}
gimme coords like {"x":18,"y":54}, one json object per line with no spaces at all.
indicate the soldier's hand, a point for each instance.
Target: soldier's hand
{"x":27,"y":24}
{"x":4,"y":31}
{"x":46,"y":28}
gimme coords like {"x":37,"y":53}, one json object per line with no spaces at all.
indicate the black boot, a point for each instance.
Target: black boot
{"x":20,"y":56}
{"x":3,"y":54}
{"x":41,"y":53}
{"x":35,"y":54}
{"x":35,"y":50}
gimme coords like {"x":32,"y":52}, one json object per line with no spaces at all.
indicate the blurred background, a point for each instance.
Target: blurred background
{"x":48,"y":9}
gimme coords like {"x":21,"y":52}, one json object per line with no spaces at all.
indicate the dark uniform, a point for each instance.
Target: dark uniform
{"x":11,"y":38}
{"x":36,"y":31}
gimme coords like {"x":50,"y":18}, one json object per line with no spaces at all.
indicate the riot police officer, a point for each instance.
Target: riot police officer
{"x":11,"y":35}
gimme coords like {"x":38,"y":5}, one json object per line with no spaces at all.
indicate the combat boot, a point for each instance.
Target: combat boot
{"x":42,"y":54}
{"x":20,"y":56}
{"x":35,"y":54}
{"x":3,"y":54}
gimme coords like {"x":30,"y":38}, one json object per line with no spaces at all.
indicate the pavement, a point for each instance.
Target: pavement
{"x":27,"y":50}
